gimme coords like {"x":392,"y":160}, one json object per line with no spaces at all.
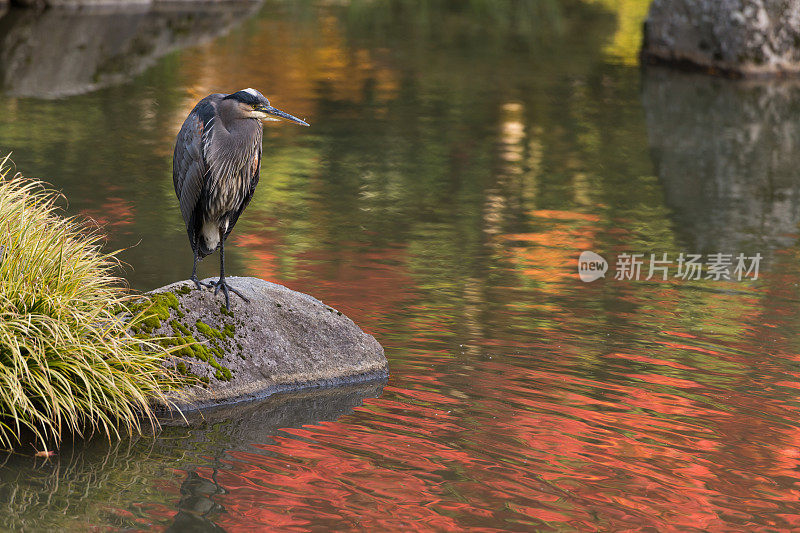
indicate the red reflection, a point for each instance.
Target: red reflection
{"x":361,"y":282}
{"x":542,"y":429}
{"x":113,"y":212}
{"x":522,"y":399}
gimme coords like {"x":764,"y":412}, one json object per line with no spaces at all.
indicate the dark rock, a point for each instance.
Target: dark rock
{"x":281,"y":340}
{"x":739,"y":37}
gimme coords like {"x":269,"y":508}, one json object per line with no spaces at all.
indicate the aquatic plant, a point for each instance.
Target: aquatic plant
{"x":68,"y":362}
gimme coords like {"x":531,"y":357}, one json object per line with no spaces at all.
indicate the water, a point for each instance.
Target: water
{"x":459,"y":161}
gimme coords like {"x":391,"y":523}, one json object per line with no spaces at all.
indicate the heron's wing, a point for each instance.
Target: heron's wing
{"x":252,"y":172}
{"x":189,"y":164}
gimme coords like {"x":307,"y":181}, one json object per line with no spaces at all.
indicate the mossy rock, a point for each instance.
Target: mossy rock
{"x":281,"y":340}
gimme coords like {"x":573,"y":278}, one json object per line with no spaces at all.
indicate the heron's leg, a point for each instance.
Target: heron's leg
{"x":221,"y":284}
{"x":193,"y":277}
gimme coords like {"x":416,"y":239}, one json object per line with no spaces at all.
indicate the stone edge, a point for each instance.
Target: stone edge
{"x":658,"y":56}
{"x":260,"y":390}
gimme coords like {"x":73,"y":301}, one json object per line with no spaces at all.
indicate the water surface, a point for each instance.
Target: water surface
{"x":460,"y":160}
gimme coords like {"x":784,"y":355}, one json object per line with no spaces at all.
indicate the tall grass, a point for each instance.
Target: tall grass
{"x":68,"y":364}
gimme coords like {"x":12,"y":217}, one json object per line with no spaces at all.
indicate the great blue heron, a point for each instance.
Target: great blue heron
{"x":215,"y":170}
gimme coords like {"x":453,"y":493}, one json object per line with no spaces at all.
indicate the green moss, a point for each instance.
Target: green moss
{"x":225,"y":311}
{"x":194,"y":349}
{"x":169,"y":341}
{"x":162,"y":303}
{"x":190,"y":348}
{"x":183,"y":290}
{"x":149,"y":323}
{"x":208,"y":331}
{"x":216,"y":350}
{"x":158,"y":308}
{"x":179,"y":328}
{"x":154,"y":309}
{"x":223,"y":374}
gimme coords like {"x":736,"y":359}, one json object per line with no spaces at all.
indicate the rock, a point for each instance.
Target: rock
{"x":725,"y":152}
{"x":281,"y":340}
{"x":64,"y":51}
{"x":738,"y":37}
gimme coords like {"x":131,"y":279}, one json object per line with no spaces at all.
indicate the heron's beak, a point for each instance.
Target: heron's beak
{"x":278,"y":113}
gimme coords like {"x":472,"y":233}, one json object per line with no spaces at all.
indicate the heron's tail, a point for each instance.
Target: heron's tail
{"x":199,"y":245}
{"x":202,"y":249}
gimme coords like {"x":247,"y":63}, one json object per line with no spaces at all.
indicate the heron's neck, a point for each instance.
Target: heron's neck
{"x":232,"y":139}
{"x":231,"y":131}
{"x":230,"y":117}
{"x":239,"y":128}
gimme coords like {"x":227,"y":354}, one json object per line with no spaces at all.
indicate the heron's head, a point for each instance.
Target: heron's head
{"x":252,"y":104}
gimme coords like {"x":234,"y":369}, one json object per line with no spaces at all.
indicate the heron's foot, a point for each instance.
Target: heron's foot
{"x":222,"y":285}
{"x":199,"y":283}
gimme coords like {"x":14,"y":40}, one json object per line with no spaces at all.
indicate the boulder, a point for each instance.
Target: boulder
{"x":67,"y":50}
{"x":736,"y":37}
{"x":282,"y":340}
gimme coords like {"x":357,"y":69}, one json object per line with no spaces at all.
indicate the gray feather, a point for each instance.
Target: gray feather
{"x":189,"y":164}
{"x":215,"y":169}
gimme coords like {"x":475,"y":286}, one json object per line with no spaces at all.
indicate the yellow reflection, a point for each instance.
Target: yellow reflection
{"x":627,"y":40}
{"x":288,"y":68}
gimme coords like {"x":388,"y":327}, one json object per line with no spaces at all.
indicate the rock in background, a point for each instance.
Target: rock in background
{"x":739,"y":37}
{"x":65,"y":51}
{"x":281,"y":340}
